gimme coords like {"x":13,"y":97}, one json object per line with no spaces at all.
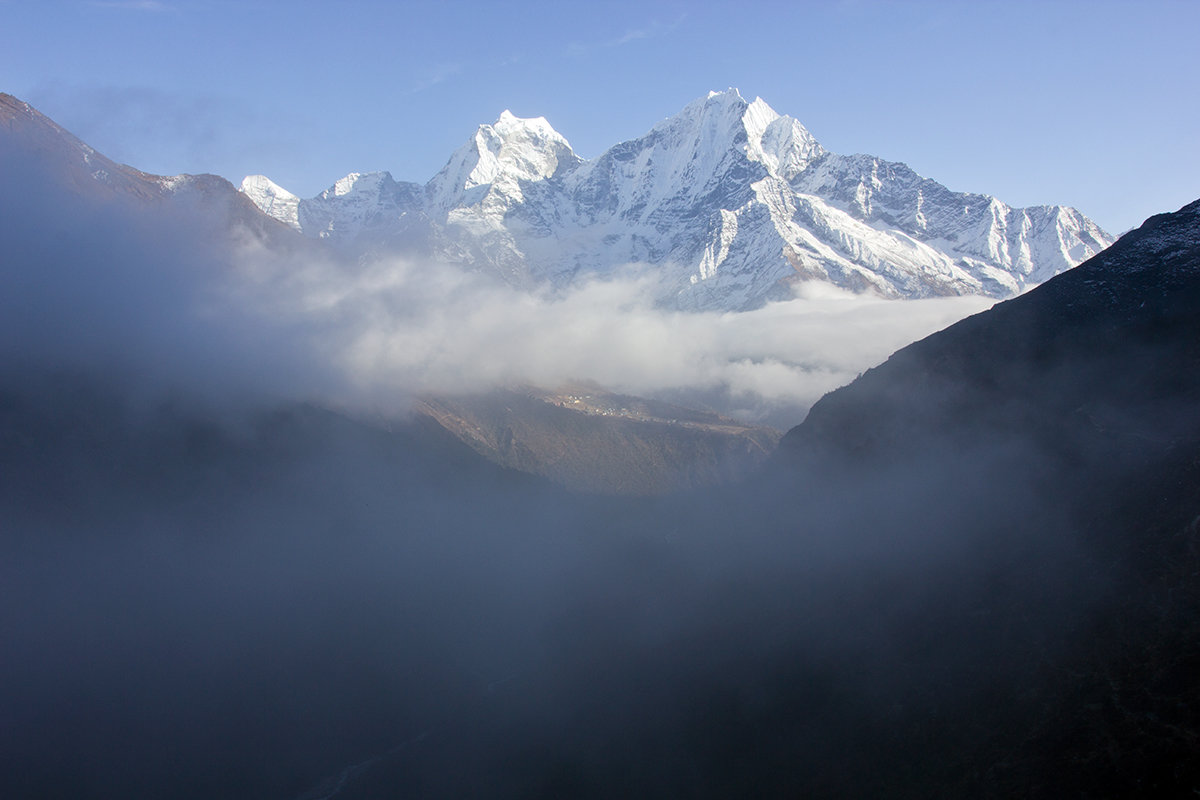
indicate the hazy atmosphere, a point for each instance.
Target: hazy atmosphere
{"x":894,"y":476}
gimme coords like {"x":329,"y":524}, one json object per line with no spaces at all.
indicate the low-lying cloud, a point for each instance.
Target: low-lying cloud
{"x":393,"y":328}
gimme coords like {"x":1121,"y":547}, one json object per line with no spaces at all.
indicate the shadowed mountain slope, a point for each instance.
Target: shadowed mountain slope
{"x":39,"y":156}
{"x":1099,"y":350}
{"x":591,"y":440}
{"x":1080,"y":402}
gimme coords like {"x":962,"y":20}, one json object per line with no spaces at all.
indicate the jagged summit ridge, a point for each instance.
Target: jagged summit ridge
{"x":499,"y":157}
{"x":725,"y":119}
{"x":729,"y":203}
{"x":273,"y":199}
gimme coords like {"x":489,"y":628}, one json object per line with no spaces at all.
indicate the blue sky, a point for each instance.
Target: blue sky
{"x":1091,"y":104}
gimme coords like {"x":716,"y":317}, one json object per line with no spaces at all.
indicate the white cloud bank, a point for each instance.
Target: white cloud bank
{"x":393,"y":329}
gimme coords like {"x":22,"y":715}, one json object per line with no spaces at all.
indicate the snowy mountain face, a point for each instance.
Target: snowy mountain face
{"x":728,"y":202}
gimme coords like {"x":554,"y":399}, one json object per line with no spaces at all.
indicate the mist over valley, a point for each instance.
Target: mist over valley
{"x":287,"y":516}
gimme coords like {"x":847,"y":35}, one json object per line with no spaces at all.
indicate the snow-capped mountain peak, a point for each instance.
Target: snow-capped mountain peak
{"x":708,"y":124}
{"x":503,"y":154}
{"x":357,"y":182}
{"x":273,"y":199}
{"x":722,"y":123}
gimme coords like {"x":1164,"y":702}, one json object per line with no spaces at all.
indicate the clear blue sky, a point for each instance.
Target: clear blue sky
{"x":1093,"y":104}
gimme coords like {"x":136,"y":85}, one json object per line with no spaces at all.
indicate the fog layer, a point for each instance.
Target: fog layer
{"x":211,"y":588}
{"x":394,"y":327}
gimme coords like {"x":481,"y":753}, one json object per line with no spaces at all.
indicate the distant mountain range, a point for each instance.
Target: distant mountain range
{"x":727,"y":203}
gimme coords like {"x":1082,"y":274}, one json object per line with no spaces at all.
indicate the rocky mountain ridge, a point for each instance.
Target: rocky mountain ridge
{"x":35,"y":149}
